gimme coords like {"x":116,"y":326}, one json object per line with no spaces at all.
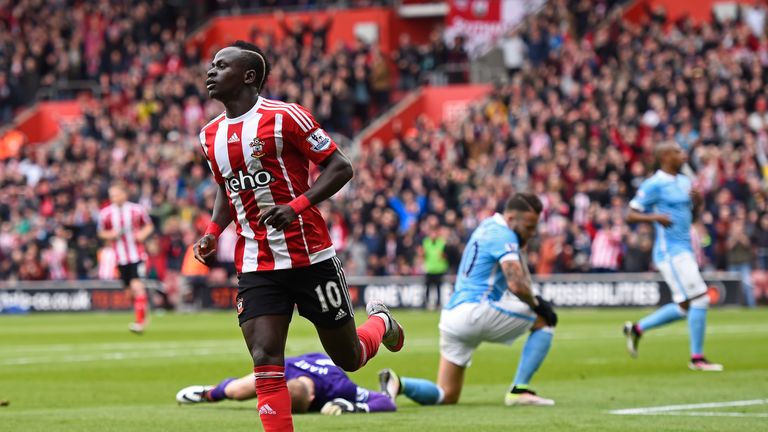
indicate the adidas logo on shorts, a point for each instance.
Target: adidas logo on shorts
{"x":267,"y":410}
{"x":340,"y":315}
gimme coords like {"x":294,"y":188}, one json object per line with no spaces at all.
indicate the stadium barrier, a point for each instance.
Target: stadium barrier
{"x":564,"y":290}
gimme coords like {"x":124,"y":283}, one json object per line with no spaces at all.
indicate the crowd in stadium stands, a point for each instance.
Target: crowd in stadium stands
{"x":144,"y":126}
{"x":58,"y":50}
{"x":576,"y":122}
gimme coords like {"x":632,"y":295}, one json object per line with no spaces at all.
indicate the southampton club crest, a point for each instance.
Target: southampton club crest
{"x":257,"y":148}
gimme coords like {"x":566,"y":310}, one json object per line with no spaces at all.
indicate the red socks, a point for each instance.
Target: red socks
{"x":274,"y":401}
{"x":140,"y":308}
{"x":370,"y":334}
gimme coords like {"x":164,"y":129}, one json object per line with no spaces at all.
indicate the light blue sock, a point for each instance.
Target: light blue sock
{"x":421,"y":391}
{"x":534,"y":352}
{"x":697,"y":326}
{"x":664,"y":315}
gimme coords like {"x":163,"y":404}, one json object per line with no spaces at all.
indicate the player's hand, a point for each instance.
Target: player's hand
{"x":340,"y":406}
{"x":204,"y":248}
{"x":546,"y":311}
{"x":278,"y":217}
{"x":664,"y":220}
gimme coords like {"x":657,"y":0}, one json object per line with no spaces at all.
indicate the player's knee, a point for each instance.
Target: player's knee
{"x":701,"y":302}
{"x":451,"y":397}
{"x":137,"y":287}
{"x":540,"y":324}
{"x":349,"y":365}
{"x":348,"y":362}
{"x":262,"y":357}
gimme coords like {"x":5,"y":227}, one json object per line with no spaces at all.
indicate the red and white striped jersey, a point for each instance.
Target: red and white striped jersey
{"x":262,"y":158}
{"x":128,"y":219}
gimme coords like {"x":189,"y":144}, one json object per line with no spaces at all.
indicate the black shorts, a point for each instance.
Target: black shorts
{"x":130,"y":272}
{"x":319,"y":291}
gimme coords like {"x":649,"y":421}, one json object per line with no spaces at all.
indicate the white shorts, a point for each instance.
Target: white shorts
{"x":682,"y":275}
{"x":464,"y":327}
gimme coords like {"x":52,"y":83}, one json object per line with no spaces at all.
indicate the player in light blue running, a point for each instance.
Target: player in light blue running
{"x":492,"y":302}
{"x":668,"y":200}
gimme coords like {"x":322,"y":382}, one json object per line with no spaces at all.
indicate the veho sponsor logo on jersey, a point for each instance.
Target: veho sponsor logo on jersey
{"x":246,"y":181}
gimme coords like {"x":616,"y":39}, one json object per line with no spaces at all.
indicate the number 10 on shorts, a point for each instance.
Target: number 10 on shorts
{"x":332,"y":295}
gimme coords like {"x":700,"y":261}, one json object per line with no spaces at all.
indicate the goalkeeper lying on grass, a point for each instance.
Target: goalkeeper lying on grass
{"x":314,"y":383}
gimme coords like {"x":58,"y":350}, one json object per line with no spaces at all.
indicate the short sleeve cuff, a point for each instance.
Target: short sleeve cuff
{"x":634,"y":205}
{"x":509,"y":256}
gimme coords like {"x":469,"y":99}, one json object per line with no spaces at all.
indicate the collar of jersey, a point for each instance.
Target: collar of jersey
{"x":665,"y":175}
{"x":248,"y":113}
{"x":499,"y":219}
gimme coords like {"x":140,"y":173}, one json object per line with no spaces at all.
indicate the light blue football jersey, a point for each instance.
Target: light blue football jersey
{"x":480,"y":277}
{"x":670,"y":195}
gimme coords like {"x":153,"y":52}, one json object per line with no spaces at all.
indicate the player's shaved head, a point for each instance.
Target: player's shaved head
{"x":665,"y":147}
{"x":301,"y":397}
{"x":670,"y":156}
{"x":253,"y":58}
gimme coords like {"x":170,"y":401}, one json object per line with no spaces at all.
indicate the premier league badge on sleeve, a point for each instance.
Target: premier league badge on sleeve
{"x":319,"y":140}
{"x":257,"y":148}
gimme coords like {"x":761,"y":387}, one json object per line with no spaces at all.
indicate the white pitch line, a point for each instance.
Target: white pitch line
{"x":671,"y":408}
{"x":118,"y":346}
{"x":210,"y":349}
{"x":707,"y":414}
{"x":119,"y":356}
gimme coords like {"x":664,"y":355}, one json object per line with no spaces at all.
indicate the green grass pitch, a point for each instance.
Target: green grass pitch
{"x":87,"y":373}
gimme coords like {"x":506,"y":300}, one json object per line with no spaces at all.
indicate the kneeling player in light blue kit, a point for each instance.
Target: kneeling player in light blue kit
{"x":492,"y":302}
{"x":668,"y":200}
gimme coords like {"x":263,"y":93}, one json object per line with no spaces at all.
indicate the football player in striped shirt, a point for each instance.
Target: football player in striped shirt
{"x":126,"y":226}
{"x":259,"y":151}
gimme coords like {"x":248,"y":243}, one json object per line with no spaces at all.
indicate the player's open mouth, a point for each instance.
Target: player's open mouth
{"x":210,"y":85}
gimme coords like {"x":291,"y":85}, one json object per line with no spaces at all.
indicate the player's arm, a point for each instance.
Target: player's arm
{"x":146,"y":229}
{"x":634,"y":216}
{"x":220,"y":219}
{"x":105,"y":233}
{"x":145,"y":232}
{"x":698,"y":203}
{"x":337,"y":171}
{"x":519,"y":283}
{"x":645,"y":199}
{"x":302,"y":132}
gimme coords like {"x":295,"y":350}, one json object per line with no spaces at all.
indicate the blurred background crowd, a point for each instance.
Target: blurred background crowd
{"x":574,"y":120}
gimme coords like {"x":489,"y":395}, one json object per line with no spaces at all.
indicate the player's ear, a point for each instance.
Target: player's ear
{"x":249,"y":78}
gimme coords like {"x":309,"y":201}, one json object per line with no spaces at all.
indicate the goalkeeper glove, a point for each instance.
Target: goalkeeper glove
{"x":546,"y":311}
{"x":341,"y":406}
